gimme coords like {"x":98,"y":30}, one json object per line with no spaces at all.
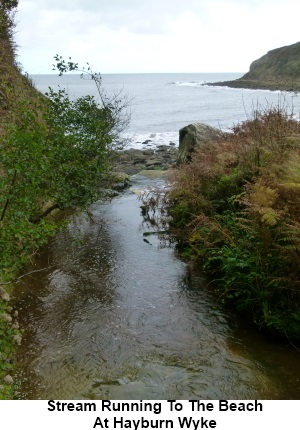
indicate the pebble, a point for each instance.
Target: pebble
{"x":17,"y":338}
{"x":5,"y":296}
{"x":6,"y":318}
{"x":8,"y":380}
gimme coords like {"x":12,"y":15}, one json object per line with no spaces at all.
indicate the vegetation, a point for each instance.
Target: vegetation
{"x":281,"y":63}
{"x":235,"y":211}
{"x":55,"y":153}
{"x":278,"y":69}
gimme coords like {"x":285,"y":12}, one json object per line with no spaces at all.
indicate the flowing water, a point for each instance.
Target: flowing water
{"x":115,"y":316}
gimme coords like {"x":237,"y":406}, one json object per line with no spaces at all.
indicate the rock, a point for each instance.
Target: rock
{"x":155,"y":162}
{"x":162,"y":148}
{"x":148,"y":152}
{"x":146,"y":142}
{"x":124,"y":157}
{"x":107,"y":193}
{"x":195,"y":135}
{"x":132,"y":152}
{"x":8,"y":380}
{"x":139,"y":158}
{"x":133,"y":160}
{"x":17,"y":338}
{"x":119,"y":186}
{"x":6,"y":318}
{"x":5,"y":297}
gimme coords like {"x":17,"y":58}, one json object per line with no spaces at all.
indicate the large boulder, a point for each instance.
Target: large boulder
{"x":195,"y":135}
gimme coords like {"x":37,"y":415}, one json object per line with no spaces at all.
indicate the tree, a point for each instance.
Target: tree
{"x":8,"y":4}
{"x":54,"y":154}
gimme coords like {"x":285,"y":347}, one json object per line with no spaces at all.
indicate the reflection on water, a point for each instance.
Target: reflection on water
{"x":115,"y":317}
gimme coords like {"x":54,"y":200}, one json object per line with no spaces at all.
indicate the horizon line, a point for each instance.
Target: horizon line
{"x":133,"y":73}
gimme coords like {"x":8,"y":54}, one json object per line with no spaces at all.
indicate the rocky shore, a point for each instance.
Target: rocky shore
{"x":132,"y":161}
{"x":258,"y":85}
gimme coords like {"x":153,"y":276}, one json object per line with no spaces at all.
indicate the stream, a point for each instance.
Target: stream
{"x":112,"y":316}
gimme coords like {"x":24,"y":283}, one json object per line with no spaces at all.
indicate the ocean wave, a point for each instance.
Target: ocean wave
{"x":152,"y":140}
{"x":248,"y":90}
{"x":186,"y":84}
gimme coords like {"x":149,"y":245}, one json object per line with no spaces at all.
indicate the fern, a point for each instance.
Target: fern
{"x":269,"y":216}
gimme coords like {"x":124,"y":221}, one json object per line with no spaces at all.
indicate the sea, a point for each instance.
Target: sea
{"x":160,"y":104}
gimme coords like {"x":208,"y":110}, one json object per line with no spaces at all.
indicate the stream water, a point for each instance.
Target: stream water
{"x":113,"y":316}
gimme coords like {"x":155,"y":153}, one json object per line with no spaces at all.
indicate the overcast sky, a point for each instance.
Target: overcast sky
{"x":138,"y":36}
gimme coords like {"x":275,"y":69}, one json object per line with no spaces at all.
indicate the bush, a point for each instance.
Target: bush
{"x":54,"y":154}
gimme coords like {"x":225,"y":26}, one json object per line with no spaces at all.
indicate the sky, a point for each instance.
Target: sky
{"x":153,"y":36}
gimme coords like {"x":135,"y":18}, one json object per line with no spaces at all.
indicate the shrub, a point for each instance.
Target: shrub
{"x":54,"y":154}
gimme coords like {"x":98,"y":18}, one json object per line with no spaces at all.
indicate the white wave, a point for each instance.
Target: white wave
{"x":187,"y":84}
{"x":152,"y":140}
{"x":247,"y":90}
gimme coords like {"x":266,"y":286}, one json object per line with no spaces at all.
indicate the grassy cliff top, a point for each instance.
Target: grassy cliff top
{"x":279,"y":69}
{"x":279,"y":64}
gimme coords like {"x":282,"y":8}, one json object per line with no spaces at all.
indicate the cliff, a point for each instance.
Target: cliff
{"x":14,"y":89}
{"x":14,"y":86}
{"x":279,"y":69}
